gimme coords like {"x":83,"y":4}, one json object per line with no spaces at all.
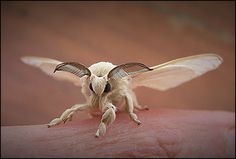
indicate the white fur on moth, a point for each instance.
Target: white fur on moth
{"x":108,"y":88}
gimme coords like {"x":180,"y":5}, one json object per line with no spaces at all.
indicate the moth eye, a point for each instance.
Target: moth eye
{"x":107,"y":88}
{"x":90,"y":86}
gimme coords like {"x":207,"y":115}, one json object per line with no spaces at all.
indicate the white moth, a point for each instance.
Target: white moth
{"x":109,"y":88}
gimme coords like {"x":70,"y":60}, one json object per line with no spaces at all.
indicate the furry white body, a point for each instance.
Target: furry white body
{"x":117,"y":96}
{"x":108,"y":88}
{"x":120,"y":98}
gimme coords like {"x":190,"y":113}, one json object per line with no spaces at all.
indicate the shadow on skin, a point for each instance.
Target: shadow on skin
{"x":163,"y":133}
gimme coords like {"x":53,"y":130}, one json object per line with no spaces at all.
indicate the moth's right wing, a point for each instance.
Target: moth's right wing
{"x":176,"y":72}
{"x":48,"y":66}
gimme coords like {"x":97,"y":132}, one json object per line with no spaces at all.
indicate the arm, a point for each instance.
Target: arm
{"x":164,"y":133}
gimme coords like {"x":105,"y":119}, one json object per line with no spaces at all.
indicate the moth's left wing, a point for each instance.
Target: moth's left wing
{"x":172,"y":74}
{"x":48,"y":66}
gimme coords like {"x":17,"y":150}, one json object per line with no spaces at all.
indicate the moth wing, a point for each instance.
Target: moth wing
{"x":48,"y":66}
{"x":174,"y":73}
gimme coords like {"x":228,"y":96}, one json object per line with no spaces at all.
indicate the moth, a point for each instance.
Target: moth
{"x":109,"y":88}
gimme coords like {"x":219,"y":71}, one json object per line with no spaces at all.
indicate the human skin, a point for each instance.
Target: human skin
{"x":163,"y":133}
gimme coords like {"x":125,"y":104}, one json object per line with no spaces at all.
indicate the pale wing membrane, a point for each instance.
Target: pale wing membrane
{"x":176,"y":72}
{"x":126,"y":70}
{"x":48,"y":66}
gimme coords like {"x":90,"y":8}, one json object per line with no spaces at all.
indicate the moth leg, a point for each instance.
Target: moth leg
{"x":107,"y":118}
{"x":67,"y":114}
{"x":139,"y":107}
{"x":136,"y":105}
{"x":130,"y":109}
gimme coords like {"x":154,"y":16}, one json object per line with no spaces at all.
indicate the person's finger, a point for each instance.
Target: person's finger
{"x":163,"y":133}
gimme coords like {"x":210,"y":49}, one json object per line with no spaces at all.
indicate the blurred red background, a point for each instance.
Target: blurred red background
{"x":118,"y":32}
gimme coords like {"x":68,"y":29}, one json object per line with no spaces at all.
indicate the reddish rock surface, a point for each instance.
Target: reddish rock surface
{"x":119,"y":32}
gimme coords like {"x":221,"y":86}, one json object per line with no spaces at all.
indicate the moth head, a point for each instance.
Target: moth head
{"x":102,"y":84}
{"x":99,"y":85}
